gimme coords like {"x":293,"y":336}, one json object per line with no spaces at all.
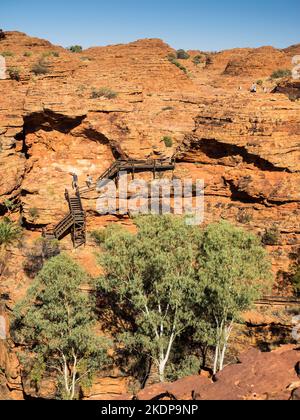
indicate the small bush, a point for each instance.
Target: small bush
{"x":177,"y":64}
{"x":27,"y":54}
{"x":271,"y":236}
{"x":7,"y":54}
{"x":278,"y":74}
{"x":244,"y":217}
{"x":260,"y":82}
{"x":9,"y":232}
{"x":171,"y":56}
{"x":41,"y":67}
{"x":10,"y":205}
{"x":296,"y":281}
{"x":75,"y":48}
{"x":14,"y":73}
{"x":33,"y":213}
{"x":189,"y":366}
{"x":182,"y":55}
{"x":103,"y":93}
{"x":98,"y":236}
{"x":168,"y":141}
{"x":198,"y":59}
{"x":50,"y":54}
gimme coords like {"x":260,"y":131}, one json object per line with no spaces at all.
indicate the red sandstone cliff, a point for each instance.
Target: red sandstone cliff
{"x":246,"y":147}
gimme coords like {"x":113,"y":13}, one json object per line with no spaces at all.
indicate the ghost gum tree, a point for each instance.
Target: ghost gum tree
{"x":55,"y":323}
{"x":152,"y":273}
{"x":172,"y":277}
{"x":235,"y":271}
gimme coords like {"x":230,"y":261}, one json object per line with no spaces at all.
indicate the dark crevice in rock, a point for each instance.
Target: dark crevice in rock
{"x":49,"y":120}
{"x":243,"y":196}
{"x":238,"y":195}
{"x":215,"y":149}
{"x":22,"y":137}
{"x":94,"y":135}
{"x":3,"y":210}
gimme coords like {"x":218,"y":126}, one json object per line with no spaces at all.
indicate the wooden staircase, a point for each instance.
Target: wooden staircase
{"x":74,"y":222}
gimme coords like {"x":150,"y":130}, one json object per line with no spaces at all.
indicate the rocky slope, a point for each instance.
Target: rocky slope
{"x":246,"y":147}
{"x":258,"y":376}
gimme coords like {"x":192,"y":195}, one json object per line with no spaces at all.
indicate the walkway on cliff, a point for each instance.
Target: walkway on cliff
{"x":74,"y":222}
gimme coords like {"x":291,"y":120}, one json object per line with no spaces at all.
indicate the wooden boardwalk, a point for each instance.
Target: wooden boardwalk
{"x":74,"y":222}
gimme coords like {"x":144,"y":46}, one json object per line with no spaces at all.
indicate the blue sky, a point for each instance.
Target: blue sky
{"x":189,"y":24}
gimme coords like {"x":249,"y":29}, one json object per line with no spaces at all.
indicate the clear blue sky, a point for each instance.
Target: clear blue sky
{"x":189,"y":24}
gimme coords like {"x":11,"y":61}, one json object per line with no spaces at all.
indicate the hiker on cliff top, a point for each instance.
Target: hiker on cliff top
{"x":253,"y":88}
{"x":74,"y":181}
{"x":89,"y":181}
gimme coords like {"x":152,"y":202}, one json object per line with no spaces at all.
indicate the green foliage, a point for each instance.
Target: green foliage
{"x":7,"y":54}
{"x":47,"y":54}
{"x":14,"y":73}
{"x":40,"y":68}
{"x":177,"y":64}
{"x":182,"y":55}
{"x":103,"y":93}
{"x":260,"y":82}
{"x":244,"y":216}
{"x":152,"y":276}
{"x":171,"y":56}
{"x":296,"y":281}
{"x":168,"y":141}
{"x":10,"y":205}
{"x":176,"y":284}
{"x":27,"y":54}
{"x":75,"y":48}
{"x":98,"y":236}
{"x":188,"y":366}
{"x":271,"y":236}
{"x":56,"y":323}
{"x":235,"y":270}
{"x":9,"y":232}
{"x":198,"y":59}
{"x":278,"y":74}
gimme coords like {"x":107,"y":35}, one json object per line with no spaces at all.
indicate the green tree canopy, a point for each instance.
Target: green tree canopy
{"x":172,"y":278}
{"x":56,"y":323}
{"x":152,"y":273}
{"x":235,"y":270}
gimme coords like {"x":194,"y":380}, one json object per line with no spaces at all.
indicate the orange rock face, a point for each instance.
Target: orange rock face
{"x":245,"y":146}
{"x":259,"y":376}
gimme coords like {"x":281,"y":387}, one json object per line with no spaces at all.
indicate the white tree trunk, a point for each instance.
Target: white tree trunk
{"x":74,"y":373}
{"x":66,"y":376}
{"x":216,"y":359}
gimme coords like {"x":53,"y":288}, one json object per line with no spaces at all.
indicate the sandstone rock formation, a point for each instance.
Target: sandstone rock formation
{"x":246,"y":147}
{"x":258,"y":376}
